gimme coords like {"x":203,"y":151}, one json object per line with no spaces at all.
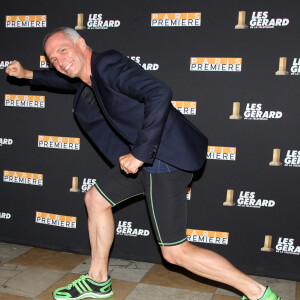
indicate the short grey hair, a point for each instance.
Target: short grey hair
{"x":71,"y":33}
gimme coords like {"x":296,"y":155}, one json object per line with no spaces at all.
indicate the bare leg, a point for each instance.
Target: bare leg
{"x":211,"y":265}
{"x":101,"y":232}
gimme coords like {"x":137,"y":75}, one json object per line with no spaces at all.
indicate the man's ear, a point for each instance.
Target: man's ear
{"x":81,"y":43}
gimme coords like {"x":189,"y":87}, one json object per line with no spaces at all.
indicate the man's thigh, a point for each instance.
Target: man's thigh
{"x":167,"y":204}
{"x":116,"y":186}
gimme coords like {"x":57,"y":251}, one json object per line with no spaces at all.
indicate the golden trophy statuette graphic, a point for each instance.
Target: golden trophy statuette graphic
{"x":229,"y":198}
{"x":268,"y":244}
{"x":241,"y":21}
{"x":276,"y":158}
{"x":74,"y":187}
{"x":236,"y":111}
{"x":80,"y":25}
{"x":282,"y":67}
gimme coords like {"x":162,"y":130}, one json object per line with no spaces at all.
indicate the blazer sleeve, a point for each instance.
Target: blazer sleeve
{"x":52,"y":79}
{"x":126,"y":76}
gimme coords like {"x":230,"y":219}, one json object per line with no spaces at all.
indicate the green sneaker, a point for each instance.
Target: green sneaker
{"x":84,"y":287}
{"x":268,"y":295}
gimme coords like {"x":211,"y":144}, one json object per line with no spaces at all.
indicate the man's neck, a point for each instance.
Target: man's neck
{"x":86,"y":76}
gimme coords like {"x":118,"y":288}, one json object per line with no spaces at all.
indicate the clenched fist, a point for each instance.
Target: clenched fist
{"x":15,"y":69}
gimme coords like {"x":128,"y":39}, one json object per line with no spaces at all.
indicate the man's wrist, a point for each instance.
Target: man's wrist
{"x":28,"y":74}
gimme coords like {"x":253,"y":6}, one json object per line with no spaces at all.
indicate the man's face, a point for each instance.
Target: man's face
{"x":67,"y":57}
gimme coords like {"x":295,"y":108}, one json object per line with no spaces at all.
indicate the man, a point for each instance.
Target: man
{"x":129,"y":116}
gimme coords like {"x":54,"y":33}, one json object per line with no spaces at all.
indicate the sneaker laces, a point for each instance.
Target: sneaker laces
{"x":75,"y":282}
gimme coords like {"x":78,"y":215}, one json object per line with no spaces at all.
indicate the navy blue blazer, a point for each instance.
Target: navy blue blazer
{"x":136,"y":113}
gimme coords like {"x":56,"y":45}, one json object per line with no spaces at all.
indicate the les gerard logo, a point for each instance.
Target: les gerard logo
{"x":22,"y":177}
{"x":254,"y":112}
{"x":292,"y":158}
{"x":7,"y":142}
{"x":125,"y":228}
{"x":209,"y":237}
{"x":55,"y":220}
{"x":260,"y":20}
{"x":57,"y":142}
{"x":221,"y":153}
{"x":287,"y":246}
{"x":96,"y":21}
{"x":87,"y":184}
{"x":145,"y":66}
{"x":5,"y":216}
{"x":31,"y":21}
{"x":185,"y":107}
{"x":247,"y":199}
{"x":216,"y":64}
{"x":294,"y":70}
{"x":32,"y":101}
{"x":175,"y":19}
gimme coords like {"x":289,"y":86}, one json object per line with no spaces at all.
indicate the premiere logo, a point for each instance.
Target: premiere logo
{"x":31,"y":21}
{"x":25,"y":101}
{"x":87,"y":184}
{"x":45,"y":62}
{"x":292,"y":158}
{"x":5,"y":216}
{"x":4,"y":63}
{"x":7,"y":142}
{"x":216,"y":64}
{"x":247,"y":199}
{"x":188,"y":193}
{"x":221,"y":153}
{"x":286,"y":246}
{"x":58,"y":142}
{"x":145,"y":66}
{"x":175,"y":19}
{"x":185,"y":107}
{"x":95,"y":21}
{"x":55,"y":220}
{"x":254,"y":112}
{"x":208,"y":237}
{"x":22,"y":177}
{"x":260,"y":20}
{"x":125,"y":228}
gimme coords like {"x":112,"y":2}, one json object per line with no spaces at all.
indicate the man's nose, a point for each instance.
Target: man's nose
{"x":59,"y":61}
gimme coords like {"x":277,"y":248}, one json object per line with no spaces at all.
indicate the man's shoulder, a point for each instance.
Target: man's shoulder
{"x":109,"y":56}
{"x":108,"y":64}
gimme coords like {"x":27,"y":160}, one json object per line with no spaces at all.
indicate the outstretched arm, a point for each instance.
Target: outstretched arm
{"x":48,"y":78}
{"x":15,"y":69}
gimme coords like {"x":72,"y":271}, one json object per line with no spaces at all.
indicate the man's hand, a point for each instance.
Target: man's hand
{"x":15,"y":69}
{"x":129,"y":164}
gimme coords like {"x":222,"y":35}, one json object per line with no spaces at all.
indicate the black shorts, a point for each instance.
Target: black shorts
{"x":165,"y":194}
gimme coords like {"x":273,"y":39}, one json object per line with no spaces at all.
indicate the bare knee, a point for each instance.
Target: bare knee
{"x":94,"y":200}
{"x":175,"y":254}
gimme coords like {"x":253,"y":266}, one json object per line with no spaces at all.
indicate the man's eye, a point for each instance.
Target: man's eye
{"x":53,"y":61}
{"x":62,"y":50}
